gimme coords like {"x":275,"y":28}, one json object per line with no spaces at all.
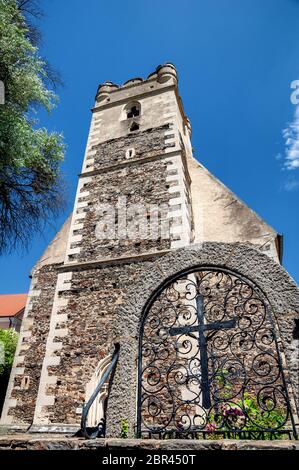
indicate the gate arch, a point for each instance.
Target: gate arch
{"x":209,"y":360}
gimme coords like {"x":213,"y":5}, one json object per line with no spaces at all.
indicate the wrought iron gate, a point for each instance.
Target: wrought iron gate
{"x":209,"y":362}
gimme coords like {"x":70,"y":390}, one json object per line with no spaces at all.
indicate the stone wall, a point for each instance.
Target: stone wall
{"x":26,"y":442}
{"x":91,"y":299}
{"x":140,"y":184}
{"x":78,"y":309}
{"x":103,"y":306}
{"x":23,"y":388}
{"x":221,"y":216}
{"x":73,"y":308}
{"x":149,"y":143}
{"x":148,"y":178}
{"x":280,"y":290}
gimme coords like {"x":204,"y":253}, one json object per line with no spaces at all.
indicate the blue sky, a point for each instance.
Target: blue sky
{"x":236,"y":60}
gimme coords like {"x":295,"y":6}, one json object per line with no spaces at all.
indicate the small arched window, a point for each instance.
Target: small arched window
{"x":134,"y":127}
{"x":132,"y":110}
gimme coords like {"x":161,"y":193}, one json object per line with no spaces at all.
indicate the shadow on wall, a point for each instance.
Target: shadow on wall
{"x":3,"y":386}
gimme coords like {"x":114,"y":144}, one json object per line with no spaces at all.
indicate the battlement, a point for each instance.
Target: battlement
{"x":161,"y":86}
{"x":166,"y":73}
{"x":153,"y":235}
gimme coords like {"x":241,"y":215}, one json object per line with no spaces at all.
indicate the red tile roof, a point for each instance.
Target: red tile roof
{"x":12,"y":304}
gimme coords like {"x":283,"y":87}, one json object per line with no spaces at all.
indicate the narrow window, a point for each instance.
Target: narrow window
{"x":133,"y":112}
{"x":25,"y":382}
{"x":130,"y":153}
{"x":134,"y":127}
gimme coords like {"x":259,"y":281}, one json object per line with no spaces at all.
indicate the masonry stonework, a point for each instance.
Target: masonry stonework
{"x":31,"y":347}
{"x":146,"y":144}
{"x":95,"y":294}
{"x":281,"y":291}
{"x":139,"y":184}
{"x":88,"y":291}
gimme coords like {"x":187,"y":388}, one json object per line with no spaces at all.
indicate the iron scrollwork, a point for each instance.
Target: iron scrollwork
{"x":209,"y":360}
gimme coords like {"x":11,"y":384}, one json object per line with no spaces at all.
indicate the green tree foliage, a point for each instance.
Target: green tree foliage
{"x":8,"y":344}
{"x":8,"y":340}
{"x":30,"y":177}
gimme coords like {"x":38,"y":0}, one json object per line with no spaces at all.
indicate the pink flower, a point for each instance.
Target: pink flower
{"x":210,"y":427}
{"x":232,"y":411}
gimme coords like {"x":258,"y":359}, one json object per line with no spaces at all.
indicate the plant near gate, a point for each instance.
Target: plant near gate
{"x":30,"y":157}
{"x":246,"y":415}
{"x":124,"y":429}
{"x":8,"y":343}
{"x":273,"y":418}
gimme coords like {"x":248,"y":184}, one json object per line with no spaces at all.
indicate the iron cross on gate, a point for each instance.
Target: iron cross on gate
{"x":202,"y":343}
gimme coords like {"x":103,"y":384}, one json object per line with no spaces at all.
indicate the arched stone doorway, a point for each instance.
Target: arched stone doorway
{"x":270,"y":278}
{"x":97,"y":410}
{"x":209,"y":361}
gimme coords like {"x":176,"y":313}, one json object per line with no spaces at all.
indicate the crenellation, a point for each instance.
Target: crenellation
{"x":144,"y":210}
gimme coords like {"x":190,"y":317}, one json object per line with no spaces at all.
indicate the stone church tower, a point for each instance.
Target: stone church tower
{"x":93,"y":283}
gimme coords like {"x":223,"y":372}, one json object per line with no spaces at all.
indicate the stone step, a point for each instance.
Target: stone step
{"x":60,"y":442}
